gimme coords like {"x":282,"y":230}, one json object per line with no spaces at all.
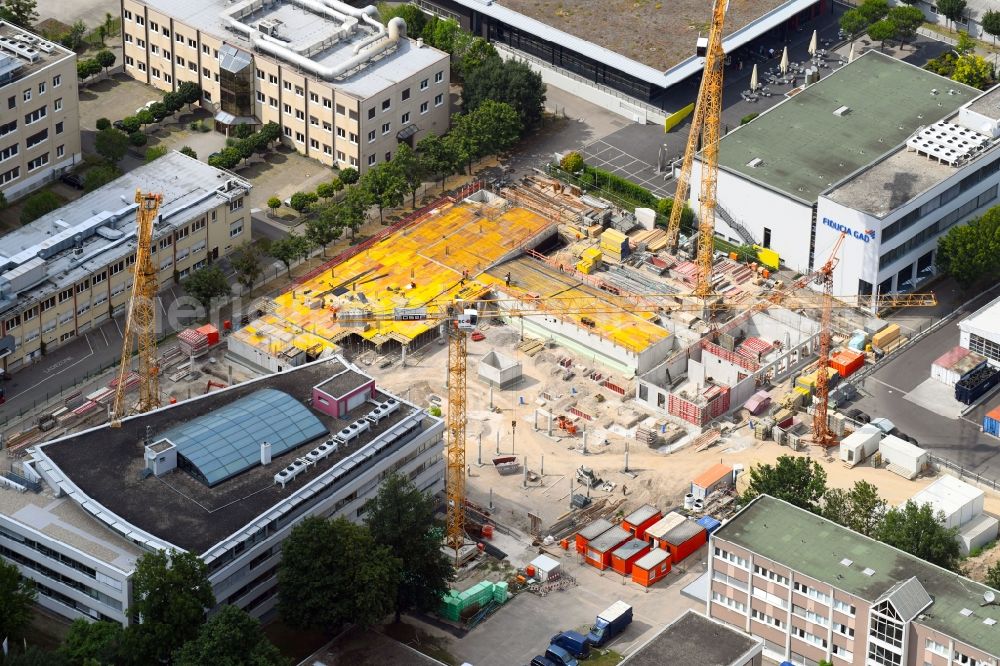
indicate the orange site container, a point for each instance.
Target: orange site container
{"x":623,"y":557}
{"x":651,"y":567}
{"x":847,"y":361}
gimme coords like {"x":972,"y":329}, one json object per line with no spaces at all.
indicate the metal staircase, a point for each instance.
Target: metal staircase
{"x":736,"y":226}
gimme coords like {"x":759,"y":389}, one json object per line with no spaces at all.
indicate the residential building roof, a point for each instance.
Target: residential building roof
{"x":695,"y":639}
{"x":805,"y":148}
{"x":23,"y":53}
{"x":821,"y":549}
{"x":908,"y":597}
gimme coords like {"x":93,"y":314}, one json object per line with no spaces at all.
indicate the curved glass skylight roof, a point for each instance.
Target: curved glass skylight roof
{"x":225,"y":442}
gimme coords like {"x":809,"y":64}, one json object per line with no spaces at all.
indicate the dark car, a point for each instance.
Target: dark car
{"x":119,"y":125}
{"x":542,"y":661}
{"x":72,"y":180}
{"x":859,"y":416}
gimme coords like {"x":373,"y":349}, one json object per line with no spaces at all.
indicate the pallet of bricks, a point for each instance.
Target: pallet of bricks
{"x":460,"y":606}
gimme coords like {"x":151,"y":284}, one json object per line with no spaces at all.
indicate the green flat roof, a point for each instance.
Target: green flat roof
{"x":815,"y":546}
{"x":806,"y":149}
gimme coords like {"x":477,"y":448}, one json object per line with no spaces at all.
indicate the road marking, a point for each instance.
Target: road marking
{"x":47,"y":379}
{"x":106,"y":343}
{"x":894,"y":388}
{"x":120,"y":334}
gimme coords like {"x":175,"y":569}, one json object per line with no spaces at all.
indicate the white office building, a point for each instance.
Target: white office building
{"x":886,"y":152}
{"x":226,"y":475}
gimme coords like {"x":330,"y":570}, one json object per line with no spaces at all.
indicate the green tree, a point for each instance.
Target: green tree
{"x":882,"y":31}
{"x":325,"y":190}
{"x":17,"y":595}
{"x":401,"y":518}
{"x":38,"y":204}
{"x":21,"y":12}
{"x":155,"y":152}
{"x":874,"y":10}
{"x":411,"y":167}
{"x":89,"y":643}
{"x":130,"y":124}
{"x":103,"y":124}
{"x":436,"y":155}
{"x":472,"y":53}
{"x":509,"y":81}
{"x":349,"y":176}
{"x":333,"y":572}
{"x":288,"y":249}
{"x":797,"y":480}
{"x":273,"y":204}
{"x":246,"y":262}
{"x":73,"y":40}
{"x":952,"y":9}
{"x":916,"y":530}
{"x":271,"y":132}
{"x":973,"y":70}
{"x":299,"y":202}
{"x":98,"y":176}
{"x":325,"y":227}
{"x":993,"y":576}
{"x":990,"y":21}
{"x":242,"y":131}
{"x":440,"y":33}
{"x":498,"y":126}
{"x":138,"y":139}
{"x":860,"y":508}
{"x":353,"y":210}
{"x":462,"y":142}
{"x":666,"y":205}
{"x":414,"y":17}
{"x":87,"y":68}
{"x":171,"y":594}
{"x":33,"y":656}
{"x":853,"y":23}
{"x":970,"y":252}
{"x":190,"y":92}
{"x":159,"y":111}
{"x":386,"y":186}
{"x":572,"y":162}
{"x":907,"y":19}
{"x":174,"y":101}
{"x":106,"y":59}
{"x":145,"y":117}
{"x":189,"y":151}
{"x":207,"y":283}
{"x":965,"y":43}
{"x":232,"y":638}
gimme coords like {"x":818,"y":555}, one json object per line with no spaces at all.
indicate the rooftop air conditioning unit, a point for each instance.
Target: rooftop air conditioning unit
{"x":842,"y":111}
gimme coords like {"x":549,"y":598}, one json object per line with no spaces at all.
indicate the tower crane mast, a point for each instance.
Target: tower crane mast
{"x":705,"y":124}
{"x":141,"y":319}
{"x":824,"y":278}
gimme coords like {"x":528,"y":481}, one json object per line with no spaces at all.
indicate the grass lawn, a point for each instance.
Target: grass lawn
{"x":599,"y":657}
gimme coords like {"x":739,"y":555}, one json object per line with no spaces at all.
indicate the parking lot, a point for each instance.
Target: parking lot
{"x":522,"y":628}
{"x":902,"y":392}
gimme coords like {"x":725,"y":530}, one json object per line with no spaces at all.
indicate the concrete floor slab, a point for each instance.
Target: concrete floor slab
{"x":937,"y":397}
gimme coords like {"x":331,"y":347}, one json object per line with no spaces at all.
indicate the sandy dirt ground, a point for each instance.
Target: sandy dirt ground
{"x":656,"y":477}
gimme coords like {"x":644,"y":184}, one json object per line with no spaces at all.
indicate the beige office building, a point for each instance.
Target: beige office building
{"x":815,"y":591}
{"x":40,"y":120}
{"x":345,"y":89}
{"x":70,"y":270}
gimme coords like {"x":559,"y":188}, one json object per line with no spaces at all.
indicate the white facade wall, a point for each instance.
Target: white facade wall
{"x":22,"y":546}
{"x":757,"y":208}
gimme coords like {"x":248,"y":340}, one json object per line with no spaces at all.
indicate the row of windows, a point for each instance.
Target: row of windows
{"x":887,"y":631}
{"x":937,"y":228}
{"x":809,"y":638}
{"x":770,"y":575}
{"x":766,"y":619}
{"x":811,"y":592}
{"x":51,"y":574}
{"x":951,"y":193}
{"x":729,"y":580}
{"x":881,"y":655}
{"x":729,"y":602}
{"x":812,"y":616}
{"x":842,"y":652}
{"x":732,"y":558}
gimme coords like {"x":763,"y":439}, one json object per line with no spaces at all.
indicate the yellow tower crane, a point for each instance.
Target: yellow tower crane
{"x":141,"y":320}
{"x":704,"y":124}
{"x":460,"y":318}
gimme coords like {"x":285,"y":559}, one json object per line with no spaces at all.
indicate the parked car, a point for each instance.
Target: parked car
{"x":72,"y":180}
{"x":542,"y":661}
{"x":859,"y":416}
{"x":560,"y":657}
{"x":118,"y":125}
{"x":573,"y":642}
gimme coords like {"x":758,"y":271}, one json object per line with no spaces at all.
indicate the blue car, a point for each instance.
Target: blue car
{"x":560,"y":657}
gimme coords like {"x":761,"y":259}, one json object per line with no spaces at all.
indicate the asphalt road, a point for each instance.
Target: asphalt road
{"x":959,"y":440}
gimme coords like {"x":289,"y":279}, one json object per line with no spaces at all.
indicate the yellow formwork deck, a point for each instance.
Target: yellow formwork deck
{"x":435,"y":260}
{"x":627,"y":328}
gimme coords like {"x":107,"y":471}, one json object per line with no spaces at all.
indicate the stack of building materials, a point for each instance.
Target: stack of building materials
{"x":642,"y":518}
{"x":651,"y":567}
{"x":711,"y":402}
{"x":651,"y":240}
{"x":859,"y":445}
{"x":847,"y":361}
{"x":974,"y":385}
{"x":623,"y":557}
{"x":955,"y":365}
{"x":717,"y":477}
{"x":888,"y":338}
{"x":590,"y":261}
{"x":758,"y":403}
{"x":754,"y":348}
{"x":457,"y":606}
{"x":808,"y":382}
{"x":196,"y":341}
{"x":961,"y":507}
{"x":686,"y":271}
{"x":614,"y":245}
